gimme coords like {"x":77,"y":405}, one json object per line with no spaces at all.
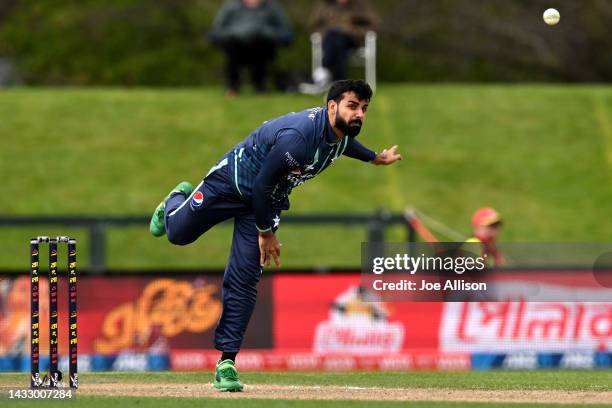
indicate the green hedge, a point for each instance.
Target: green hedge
{"x":162,"y":42}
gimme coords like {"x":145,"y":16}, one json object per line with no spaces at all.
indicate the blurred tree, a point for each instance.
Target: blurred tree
{"x":504,"y":41}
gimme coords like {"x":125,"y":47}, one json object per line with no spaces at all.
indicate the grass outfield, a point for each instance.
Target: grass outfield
{"x":170,"y":402}
{"x":564,"y":382}
{"x":542,"y":155}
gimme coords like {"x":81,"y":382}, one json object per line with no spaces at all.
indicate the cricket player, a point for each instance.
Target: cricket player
{"x":487,"y":222}
{"x":251,"y":184}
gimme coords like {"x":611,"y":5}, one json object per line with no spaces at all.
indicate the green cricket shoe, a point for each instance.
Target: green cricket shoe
{"x":157,"y":226}
{"x":226,"y":377}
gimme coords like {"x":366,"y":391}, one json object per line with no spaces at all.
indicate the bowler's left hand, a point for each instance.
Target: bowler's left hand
{"x":387,"y":156}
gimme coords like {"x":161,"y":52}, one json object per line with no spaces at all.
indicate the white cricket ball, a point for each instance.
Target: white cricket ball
{"x":551,"y":16}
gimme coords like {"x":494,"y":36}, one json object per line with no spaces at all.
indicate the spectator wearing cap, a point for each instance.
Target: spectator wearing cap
{"x":486,"y":223}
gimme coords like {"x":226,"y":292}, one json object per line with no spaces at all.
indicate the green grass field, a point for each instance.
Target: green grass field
{"x":542,"y":155}
{"x":559,"y":384}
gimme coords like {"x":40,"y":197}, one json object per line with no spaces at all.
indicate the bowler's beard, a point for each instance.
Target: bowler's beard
{"x":351,"y":129}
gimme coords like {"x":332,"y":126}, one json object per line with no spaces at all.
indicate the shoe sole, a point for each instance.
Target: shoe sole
{"x":157,"y":209}
{"x":162,"y":205}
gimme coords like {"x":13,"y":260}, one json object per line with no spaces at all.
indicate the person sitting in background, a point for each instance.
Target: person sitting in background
{"x":249,"y":32}
{"x":343,"y":25}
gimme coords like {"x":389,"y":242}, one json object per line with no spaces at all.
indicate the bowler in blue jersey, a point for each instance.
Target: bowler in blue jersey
{"x":251,"y":183}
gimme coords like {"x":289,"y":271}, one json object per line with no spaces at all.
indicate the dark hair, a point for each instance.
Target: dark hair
{"x":338,"y":88}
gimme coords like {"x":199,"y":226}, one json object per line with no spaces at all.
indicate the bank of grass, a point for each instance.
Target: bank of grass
{"x":542,"y":155}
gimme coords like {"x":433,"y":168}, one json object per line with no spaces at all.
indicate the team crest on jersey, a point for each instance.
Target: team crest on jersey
{"x":198,"y":199}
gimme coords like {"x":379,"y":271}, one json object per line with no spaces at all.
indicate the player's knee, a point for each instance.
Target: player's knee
{"x":178,"y":239}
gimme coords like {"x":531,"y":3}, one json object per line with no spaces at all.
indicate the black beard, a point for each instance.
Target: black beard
{"x":351,"y":130}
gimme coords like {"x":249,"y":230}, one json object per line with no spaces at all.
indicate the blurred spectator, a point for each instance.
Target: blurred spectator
{"x":486,"y":222}
{"x":8,"y":73}
{"x":249,"y":32}
{"x":343,"y":24}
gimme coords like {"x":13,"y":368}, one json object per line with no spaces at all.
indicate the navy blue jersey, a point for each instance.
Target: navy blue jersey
{"x":283,"y":153}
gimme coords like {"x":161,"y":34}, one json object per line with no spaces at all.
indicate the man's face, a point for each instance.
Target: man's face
{"x":252,"y":3}
{"x":487,"y":233}
{"x":349,"y":114}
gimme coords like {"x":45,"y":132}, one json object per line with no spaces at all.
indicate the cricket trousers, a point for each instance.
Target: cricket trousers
{"x":215,"y":200}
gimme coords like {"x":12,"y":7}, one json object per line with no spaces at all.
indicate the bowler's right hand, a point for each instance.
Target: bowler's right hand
{"x":269,"y":247}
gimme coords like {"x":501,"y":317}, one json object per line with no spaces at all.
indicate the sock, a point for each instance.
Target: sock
{"x":228,"y":356}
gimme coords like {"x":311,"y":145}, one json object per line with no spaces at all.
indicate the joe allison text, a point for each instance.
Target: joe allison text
{"x":423,"y":285}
